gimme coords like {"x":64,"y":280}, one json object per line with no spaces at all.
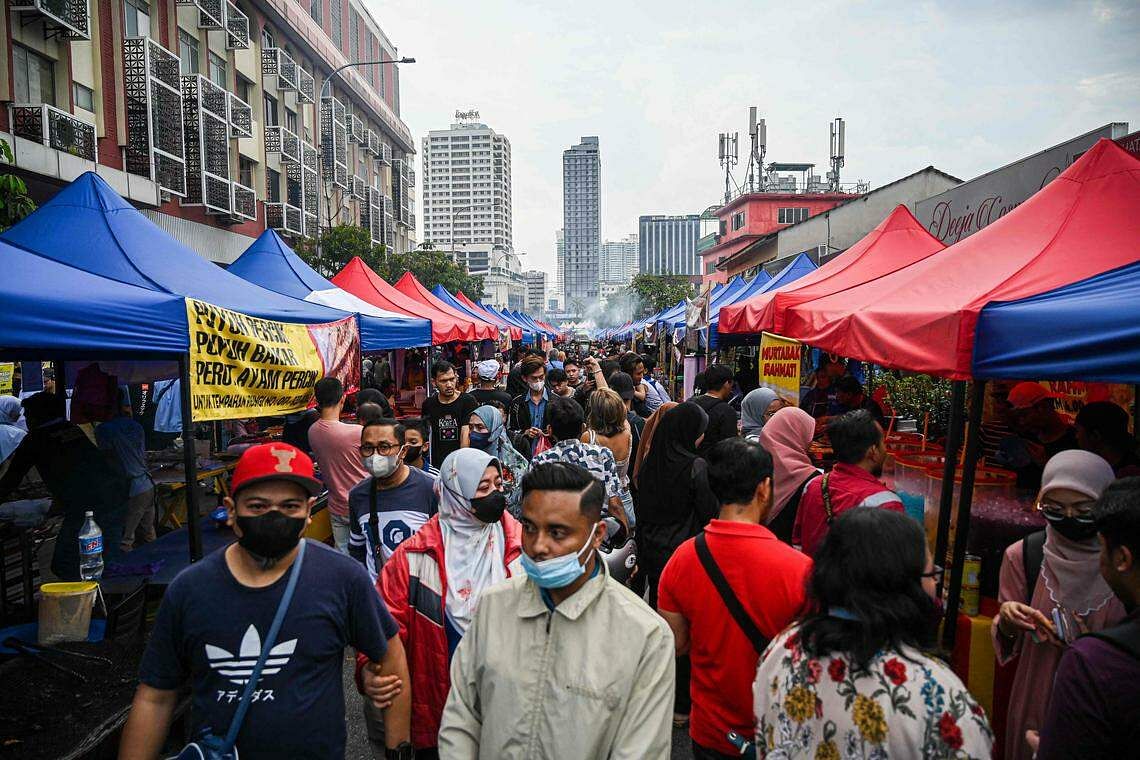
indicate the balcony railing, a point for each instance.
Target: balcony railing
{"x":306,"y":87}
{"x":385,"y":154}
{"x":240,"y":117}
{"x":70,"y":18}
{"x":359,"y":188}
{"x":373,"y":142}
{"x":281,"y":140}
{"x":358,"y":134}
{"x":284,"y":217}
{"x":48,"y":125}
{"x":276,"y":63}
{"x":155,"y":140}
{"x":237,"y":28}
{"x":244,"y":203}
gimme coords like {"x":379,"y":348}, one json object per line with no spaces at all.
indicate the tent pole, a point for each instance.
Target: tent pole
{"x":946,"y":498}
{"x":1136,"y":412}
{"x":965,"y":501}
{"x":60,"y":368}
{"x":190,"y":463}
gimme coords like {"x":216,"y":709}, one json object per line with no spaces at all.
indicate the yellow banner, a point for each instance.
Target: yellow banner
{"x":7,"y":370}
{"x":243,"y":366}
{"x":780,"y":366}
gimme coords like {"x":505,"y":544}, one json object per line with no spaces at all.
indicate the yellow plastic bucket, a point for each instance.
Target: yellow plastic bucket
{"x":65,"y":611}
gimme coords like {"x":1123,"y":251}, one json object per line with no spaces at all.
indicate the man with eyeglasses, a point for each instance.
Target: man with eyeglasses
{"x":392,"y":504}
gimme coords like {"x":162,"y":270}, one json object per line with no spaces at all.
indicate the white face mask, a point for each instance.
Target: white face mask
{"x":382,"y":466}
{"x":537,"y":385}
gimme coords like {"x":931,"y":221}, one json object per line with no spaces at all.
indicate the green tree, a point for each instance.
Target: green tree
{"x":432,"y":268}
{"x":339,"y":245}
{"x":15,"y":204}
{"x":659,"y":291}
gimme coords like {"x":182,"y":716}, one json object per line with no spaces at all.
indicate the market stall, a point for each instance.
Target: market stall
{"x":412,"y":288}
{"x":515,"y":333}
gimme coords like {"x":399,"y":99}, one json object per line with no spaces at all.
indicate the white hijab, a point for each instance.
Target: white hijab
{"x":10,"y":431}
{"x":473,"y":551}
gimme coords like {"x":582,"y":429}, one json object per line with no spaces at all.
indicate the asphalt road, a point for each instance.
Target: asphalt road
{"x":357,"y":747}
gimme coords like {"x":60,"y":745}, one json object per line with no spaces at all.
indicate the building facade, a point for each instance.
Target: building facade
{"x":618,"y":263}
{"x":503,"y":282}
{"x":535,"y":291}
{"x":466,"y":195}
{"x":205,"y":115}
{"x":668,"y":244}
{"x":560,"y":263}
{"x":581,"y":216}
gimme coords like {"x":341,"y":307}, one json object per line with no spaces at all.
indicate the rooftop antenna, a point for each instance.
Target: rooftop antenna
{"x":728,"y":152}
{"x":838,"y":135}
{"x":758,"y":130}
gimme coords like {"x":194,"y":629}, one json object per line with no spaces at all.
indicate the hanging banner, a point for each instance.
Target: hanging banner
{"x":243,"y":366}
{"x":780,"y":366}
{"x":7,"y":374}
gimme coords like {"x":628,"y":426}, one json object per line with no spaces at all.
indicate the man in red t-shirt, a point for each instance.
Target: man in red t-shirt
{"x":767,"y":576}
{"x":860,"y":451}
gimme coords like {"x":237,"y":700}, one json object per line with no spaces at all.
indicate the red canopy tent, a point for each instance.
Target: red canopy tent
{"x":515,"y":330}
{"x":897,"y":242}
{"x":362,"y":282}
{"x":922,"y":318}
{"x":411,"y":287}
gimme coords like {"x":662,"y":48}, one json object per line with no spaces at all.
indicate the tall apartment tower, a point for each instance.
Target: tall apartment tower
{"x":560,"y":262}
{"x":668,"y":244}
{"x":535,"y":291}
{"x":466,"y":197}
{"x":619,"y":260}
{"x":581,"y":216}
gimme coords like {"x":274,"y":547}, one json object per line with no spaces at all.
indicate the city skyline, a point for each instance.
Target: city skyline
{"x":657,"y":98}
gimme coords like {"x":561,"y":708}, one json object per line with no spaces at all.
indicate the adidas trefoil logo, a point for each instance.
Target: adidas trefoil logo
{"x":238,"y":669}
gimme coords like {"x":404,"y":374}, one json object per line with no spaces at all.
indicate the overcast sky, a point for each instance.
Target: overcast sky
{"x":966,"y":88}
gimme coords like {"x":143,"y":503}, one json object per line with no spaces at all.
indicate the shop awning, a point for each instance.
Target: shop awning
{"x":800,"y":266}
{"x":898,"y":241}
{"x":411,"y":287}
{"x":924,"y":317}
{"x":272,"y":264}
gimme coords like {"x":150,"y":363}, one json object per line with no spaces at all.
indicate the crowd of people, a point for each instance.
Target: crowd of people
{"x":476,"y":572}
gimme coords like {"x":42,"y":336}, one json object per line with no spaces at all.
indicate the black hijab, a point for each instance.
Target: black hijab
{"x":665,"y":480}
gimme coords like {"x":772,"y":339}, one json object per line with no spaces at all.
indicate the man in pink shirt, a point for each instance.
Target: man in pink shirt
{"x":336,"y":446}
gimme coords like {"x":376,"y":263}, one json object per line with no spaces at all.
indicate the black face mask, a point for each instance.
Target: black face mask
{"x":413,"y":453}
{"x":1072,"y":528}
{"x":270,"y":536}
{"x":489,"y":508}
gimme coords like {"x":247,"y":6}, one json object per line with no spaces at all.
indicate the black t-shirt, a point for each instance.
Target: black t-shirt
{"x":446,"y":421}
{"x":722,"y":421}
{"x":494,"y":397}
{"x":209,"y":630}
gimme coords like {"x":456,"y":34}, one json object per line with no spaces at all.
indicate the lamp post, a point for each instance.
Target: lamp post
{"x":451,"y":227}
{"x":325,"y":90}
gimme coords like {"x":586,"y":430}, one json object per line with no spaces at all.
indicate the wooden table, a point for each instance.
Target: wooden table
{"x":171,"y":481}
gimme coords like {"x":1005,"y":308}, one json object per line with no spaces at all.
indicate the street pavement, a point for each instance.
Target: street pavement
{"x":358,"y":749}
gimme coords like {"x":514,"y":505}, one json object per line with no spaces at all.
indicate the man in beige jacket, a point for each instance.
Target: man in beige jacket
{"x":562,"y":662}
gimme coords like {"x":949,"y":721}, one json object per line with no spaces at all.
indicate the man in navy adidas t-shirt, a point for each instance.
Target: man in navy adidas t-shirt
{"x":404,"y":497}
{"x":216,"y":613}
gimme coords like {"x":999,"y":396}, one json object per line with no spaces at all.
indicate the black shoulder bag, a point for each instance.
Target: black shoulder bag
{"x":1032,"y":556}
{"x":735,"y":608}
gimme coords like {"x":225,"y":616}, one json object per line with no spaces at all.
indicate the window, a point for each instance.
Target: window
{"x":33,"y":77}
{"x":291,"y":121}
{"x":738,"y":220}
{"x":272,"y":186}
{"x":267,"y":40}
{"x":244,"y":89}
{"x":84,"y":97}
{"x":791,"y":215}
{"x":335,"y":30}
{"x":188,"y":52}
{"x":315,"y":10}
{"x":218,"y":71}
{"x":270,"y":110}
{"x":245,"y":171}
{"x":136,"y":18}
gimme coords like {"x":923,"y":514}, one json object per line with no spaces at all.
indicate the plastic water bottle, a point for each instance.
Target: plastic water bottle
{"x":90,"y":549}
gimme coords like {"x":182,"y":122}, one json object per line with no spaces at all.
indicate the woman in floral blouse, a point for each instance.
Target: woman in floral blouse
{"x":853,"y":679}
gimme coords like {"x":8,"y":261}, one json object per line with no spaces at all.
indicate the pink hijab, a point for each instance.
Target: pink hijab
{"x":787,"y":437}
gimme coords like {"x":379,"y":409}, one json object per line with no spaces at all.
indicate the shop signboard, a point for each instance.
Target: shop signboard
{"x":780,"y":360}
{"x":243,"y":366}
{"x":961,"y":211}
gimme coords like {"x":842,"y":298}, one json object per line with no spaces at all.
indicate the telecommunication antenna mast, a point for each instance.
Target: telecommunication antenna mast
{"x":838,"y":135}
{"x":728,"y":152}
{"x":758,"y":130}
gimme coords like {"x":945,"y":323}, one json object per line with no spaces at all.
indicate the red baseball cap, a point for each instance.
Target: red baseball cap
{"x":1025,"y":395}
{"x":275,"y":461}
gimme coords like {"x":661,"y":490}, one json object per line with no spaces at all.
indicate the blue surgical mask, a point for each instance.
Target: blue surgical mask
{"x":480,"y":440}
{"x":557,"y":572}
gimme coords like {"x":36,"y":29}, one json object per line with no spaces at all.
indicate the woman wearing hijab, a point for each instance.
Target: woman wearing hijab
{"x":756,"y":409}
{"x":10,"y":431}
{"x":489,"y":434}
{"x":787,"y":436}
{"x":1051,"y":591}
{"x":647,"y":437}
{"x":433,"y":581}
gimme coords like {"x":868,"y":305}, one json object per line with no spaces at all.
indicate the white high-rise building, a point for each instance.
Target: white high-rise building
{"x":466,"y":192}
{"x":535,"y":291}
{"x":619,"y":260}
{"x":560,"y":262}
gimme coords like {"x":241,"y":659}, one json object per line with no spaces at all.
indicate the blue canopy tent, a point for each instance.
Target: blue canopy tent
{"x":526,"y":320}
{"x":797,"y":268}
{"x":270,"y":263}
{"x":442,"y":294}
{"x":89,"y":227}
{"x":1088,"y":330}
{"x":515,"y":319}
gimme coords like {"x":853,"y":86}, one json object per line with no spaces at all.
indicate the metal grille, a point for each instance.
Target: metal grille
{"x":389,"y":224}
{"x":240,"y":117}
{"x":155,"y":139}
{"x":306,"y":87}
{"x":205,"y":120}
{"x":385,"y":154}
{"x":275,"y":62}
{"x":358,"y":135}
{"x":211,"y":14}
{"x":56,"y":129}
{"x":373,"y":142}
{"x":372,"y":215}
{"x":280,"y":140}
{"x":359,"y":188}
{"x":237,"y":28}
{"x":310,"y":187}
{"x":294,"y":192}
{"x":70,"y":18}
{"x":334,"y":23}
{"x":334,"y":142}
{"x":411,"y":175}
{"x":353,"y":35}
{"x":244,"y":205}
{"x":284,"y":217}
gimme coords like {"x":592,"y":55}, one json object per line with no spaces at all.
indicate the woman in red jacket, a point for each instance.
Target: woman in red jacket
{"x":433,"y":581}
